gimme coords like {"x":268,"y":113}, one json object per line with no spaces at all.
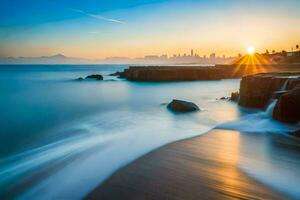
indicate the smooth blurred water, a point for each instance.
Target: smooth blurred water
{"x":266,"y":152}
{"x":58,"y":134}
{"x":60,"y":138}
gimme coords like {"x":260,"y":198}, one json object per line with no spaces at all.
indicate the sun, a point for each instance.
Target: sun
{"x":251,"y":50}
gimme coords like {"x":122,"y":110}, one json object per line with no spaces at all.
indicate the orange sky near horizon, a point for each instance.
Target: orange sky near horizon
{"x":170,"y":27}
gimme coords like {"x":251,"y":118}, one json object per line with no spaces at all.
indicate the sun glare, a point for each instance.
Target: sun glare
{"x":251,"y":50}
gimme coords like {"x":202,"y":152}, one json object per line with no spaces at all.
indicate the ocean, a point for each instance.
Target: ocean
{"x":60,"y":137}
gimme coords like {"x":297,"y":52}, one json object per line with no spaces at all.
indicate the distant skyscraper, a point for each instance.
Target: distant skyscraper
{"x":192,"y":52}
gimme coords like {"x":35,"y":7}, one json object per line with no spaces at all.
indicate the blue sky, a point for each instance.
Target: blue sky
{"x":103,"y":28}
{"x":31,"y":12}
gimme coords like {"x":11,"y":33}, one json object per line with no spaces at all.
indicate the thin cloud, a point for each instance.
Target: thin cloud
{"x":99,"y":17}
{"x":94,"y":32}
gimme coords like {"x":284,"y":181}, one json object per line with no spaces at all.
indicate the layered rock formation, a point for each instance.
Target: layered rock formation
{"x":235,"y":96}
{"x":287,"y":108}
{"x":172,"y":73}
{"x":188,"y":73}
{"x":257,"y":91}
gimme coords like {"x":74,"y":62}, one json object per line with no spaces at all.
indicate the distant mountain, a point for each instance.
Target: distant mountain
{"x":55,"y":59}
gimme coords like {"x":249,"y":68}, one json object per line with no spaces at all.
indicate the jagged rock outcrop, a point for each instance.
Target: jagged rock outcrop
{"x":287,"y":108}
{"x":235,"y":96}
{"x":182,"y":106}
{"x":256,"y":91}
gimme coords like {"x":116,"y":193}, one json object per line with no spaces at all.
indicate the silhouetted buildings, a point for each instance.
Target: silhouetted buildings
{"x":192,"y":58}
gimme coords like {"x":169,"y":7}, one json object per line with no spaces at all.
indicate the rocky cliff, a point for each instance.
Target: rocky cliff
{"x":257,"y":91}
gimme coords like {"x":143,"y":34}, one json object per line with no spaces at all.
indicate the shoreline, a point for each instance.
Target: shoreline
{"x":202,"y":167}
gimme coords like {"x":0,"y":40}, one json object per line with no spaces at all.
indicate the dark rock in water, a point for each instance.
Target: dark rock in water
{"x":287,"y":108}
{"x":235,"y":96}
{"x":223,"y":98}
{"x":193,"y":73}
{"x":293,"y":83}
{"x":257,"y":90}
{"x":182,"y":106}
{"x":115,"y":74}
{"x":95,"y":76}
{"x":80,"y":79}
{"x":296,"y":133}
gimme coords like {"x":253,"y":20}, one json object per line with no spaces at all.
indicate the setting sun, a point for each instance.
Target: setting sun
{"x":251,"y":50}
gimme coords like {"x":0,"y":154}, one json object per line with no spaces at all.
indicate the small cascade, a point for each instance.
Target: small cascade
{"x":285,"y":85}
{"x":270,"y":108}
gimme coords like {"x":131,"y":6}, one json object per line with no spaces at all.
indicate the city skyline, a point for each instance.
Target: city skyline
{"x":180,"y":58}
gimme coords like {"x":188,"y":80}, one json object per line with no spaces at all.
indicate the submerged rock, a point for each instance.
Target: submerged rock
{"x":287,"y":108}
{"x":95,"y":76}
{"x":80,"y":79}
{"x":182,"y":106}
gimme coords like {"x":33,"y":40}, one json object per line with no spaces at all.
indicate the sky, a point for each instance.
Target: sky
{"x":134,"y":28}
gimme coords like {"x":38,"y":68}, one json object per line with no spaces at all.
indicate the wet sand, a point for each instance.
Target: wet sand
{"x":204,"y":167}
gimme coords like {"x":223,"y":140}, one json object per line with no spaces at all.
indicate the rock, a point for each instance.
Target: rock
{"x":235,"y":96}
{"x":115,"y":74}
{"x":80,"y":79}
{"x":182,"y":106}
{"x":172,"y":73}
{"x":287,"y":108}
{"x":223,"y":98}
{"x":192,"y":73}
{"x":278,"y":94}
{"x":296,"y":133}
{"x":293,"y":83}
{"x":95,"y":76}
{"x":257,"y":90}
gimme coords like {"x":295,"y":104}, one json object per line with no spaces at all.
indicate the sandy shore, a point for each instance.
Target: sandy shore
{"x":203,"y":167}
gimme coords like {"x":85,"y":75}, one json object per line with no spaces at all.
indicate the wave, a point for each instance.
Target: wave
{"x":102,"y":144}
{"x":267,"y":154}
{"x":259,"y":122}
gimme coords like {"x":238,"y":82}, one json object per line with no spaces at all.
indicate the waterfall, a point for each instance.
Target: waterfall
{"x":270,"y":108}
{"x":285,"y":84}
